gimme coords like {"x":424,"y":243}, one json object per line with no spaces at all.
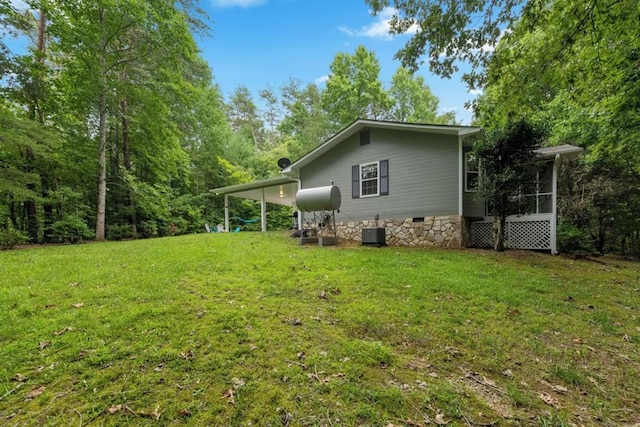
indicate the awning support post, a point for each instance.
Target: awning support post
{"x":226,"y":213}
{"x":554,"y":204}
{"x":263,"y":213}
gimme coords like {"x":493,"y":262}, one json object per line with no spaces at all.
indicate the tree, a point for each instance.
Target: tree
{"x":243,"y":115}
{"x":354,"y":89}
{"x":449,"y":31}
{"x":508,"y":172}
{"x":305,"y":122}
{"x":412,"y":100}
{"x":108,"y":51}
{"x":584,"y":82}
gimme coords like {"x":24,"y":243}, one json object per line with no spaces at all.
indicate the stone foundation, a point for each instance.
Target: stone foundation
{"x":434,"y":231}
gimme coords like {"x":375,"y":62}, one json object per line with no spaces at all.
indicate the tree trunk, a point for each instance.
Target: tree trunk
{"x":102,"y":145}
{"x":498,"y":233}
{"x":35,"y":113}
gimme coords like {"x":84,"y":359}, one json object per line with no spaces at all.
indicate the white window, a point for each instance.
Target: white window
{"x":471,"y":172}
{"x":369,"y":179}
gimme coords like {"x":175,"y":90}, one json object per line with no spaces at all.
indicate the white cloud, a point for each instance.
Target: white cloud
{"x":379,"y":29}
{"x":321,"y":80}
{"x":237,"y":3}
{"x":476,"y":92}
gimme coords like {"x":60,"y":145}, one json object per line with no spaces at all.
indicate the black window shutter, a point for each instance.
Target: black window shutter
{"x":355,"y":182}
{"x":384,"y":177}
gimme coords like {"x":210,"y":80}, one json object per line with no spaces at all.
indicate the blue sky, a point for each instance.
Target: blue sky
{"x":260,"y":43}
{"x":257,"y":43}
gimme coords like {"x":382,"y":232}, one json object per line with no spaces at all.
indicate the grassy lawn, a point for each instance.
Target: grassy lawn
{"x":251,"y":329}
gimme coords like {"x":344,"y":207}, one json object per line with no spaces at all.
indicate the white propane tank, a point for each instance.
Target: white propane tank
{"x":319,"y":199}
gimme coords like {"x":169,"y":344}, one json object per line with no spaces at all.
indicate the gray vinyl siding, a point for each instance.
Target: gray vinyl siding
{"x":423,"y":174}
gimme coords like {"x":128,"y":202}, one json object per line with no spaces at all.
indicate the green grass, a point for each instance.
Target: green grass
{"x":158,"y":331}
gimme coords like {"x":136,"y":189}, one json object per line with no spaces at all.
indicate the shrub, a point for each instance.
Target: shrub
{"x":10,"y":237}
{"x":572,"y":239}
{"x":119,"y":232}
{"x":71,"y":229}
{"x":149,"y":229}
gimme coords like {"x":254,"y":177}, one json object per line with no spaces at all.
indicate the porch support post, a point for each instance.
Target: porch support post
{"x":300,"y":213}
{"x":263,"y":213}
{"x":554,"y":204}
{"x":226,"y":213}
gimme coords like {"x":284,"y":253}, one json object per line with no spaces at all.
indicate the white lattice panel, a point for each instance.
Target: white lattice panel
{"x":518,"y":234}
{"x":482,"y":234}
{"x":528,"y":234}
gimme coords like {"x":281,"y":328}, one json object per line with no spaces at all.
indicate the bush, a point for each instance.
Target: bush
{"x":71,"y":229}
{"x":572,"y":239}
{"x":10,"y":237}
{"x":149,"y":229}
{"x":119,"y":232}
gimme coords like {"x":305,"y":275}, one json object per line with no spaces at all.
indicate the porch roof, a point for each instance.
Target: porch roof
{"x":562,"y":150}
{"x":280,"y":190}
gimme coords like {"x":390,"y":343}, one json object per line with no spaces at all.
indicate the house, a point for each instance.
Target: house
{"x":415,"y":180}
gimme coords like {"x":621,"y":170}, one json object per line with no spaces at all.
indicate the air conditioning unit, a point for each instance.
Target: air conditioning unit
{"x":373,"y":236}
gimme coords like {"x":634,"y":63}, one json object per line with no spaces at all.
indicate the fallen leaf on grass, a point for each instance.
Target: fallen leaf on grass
{"x":229,"y":395}
{"x":35,"y":392}
{"x":238,"y":382}
{"x":559,"y":389}
{"x":44,"y":344}
{"x":185,"y":413}
{"x":440,"y":419}
{"x":78,"y":304}
{"x":73,"y":284}
{"x":120,"y":408}
{"x":154,"y":415}
{"x":549,"y":400}
{"x":19,"y":378}
{"x":189,"y":355}
{"x":327,"y":379}
{"x":62,"y":331}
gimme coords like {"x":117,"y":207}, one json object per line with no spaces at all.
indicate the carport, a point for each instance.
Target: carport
{"x":280,"y":190}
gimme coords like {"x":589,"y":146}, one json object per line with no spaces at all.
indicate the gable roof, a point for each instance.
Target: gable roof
{"x":360,"y":124}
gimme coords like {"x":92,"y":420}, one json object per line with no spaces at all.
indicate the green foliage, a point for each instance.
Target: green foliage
{"x":572,"y":239}
{"x":508,"y":171}
{"x":448,"y":32}
{"x":354,"y":89}
{"x":10,"y":237}
{"x":71,"y":229}
{"x":119,"y":232}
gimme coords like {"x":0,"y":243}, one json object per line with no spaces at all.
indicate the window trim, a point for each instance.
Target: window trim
{"x":377,"y":179}
{"x":467,"y":189}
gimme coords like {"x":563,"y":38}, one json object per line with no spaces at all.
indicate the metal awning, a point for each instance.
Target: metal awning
{"x":280,"y":190}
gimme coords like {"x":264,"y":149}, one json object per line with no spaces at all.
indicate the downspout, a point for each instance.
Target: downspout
{"x":554,"y":204}
{"x":263,"y":213}
{"x":226,"y":213}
